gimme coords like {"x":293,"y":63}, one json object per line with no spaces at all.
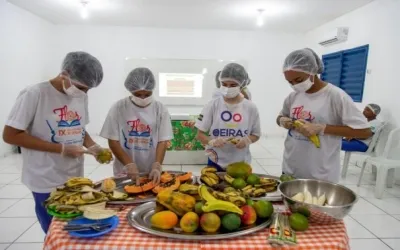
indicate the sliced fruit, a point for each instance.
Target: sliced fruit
{"x":166,"y":177}
{"x":184,"y":176}
{"x":171,"y":185}
{"x":145,"y":185}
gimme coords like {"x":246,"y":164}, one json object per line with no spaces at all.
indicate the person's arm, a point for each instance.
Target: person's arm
{"x":285,"y":112}
{"x":202,"y":137}
{"x":165,"y":134}
{"x":203,"y":123}
{"x":88,"y":141}
{"x":254,"y":138}
{"x":160,"y":151}
{"x":348,"y":132}
{"x":22,"y":139}
{"x":119,"y":152}
{"x":255,"y":131}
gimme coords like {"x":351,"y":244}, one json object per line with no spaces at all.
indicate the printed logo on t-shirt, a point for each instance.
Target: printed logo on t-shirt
{"x":69,"y":129}
{"x":231,"y":123}
{"x":139,"y":136}
{"x":299,"y":113}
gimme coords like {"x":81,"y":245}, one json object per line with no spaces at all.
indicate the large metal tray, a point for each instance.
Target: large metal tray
{"x":139,"y":218}
{"x":270,"y":196}
{"x":121,"y":182}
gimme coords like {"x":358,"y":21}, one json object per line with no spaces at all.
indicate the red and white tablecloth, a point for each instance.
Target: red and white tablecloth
{"x":321,"y":237}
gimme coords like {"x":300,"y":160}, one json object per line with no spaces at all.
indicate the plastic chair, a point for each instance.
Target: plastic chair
{"x":385,"y":164}
{"x":369,"y":152}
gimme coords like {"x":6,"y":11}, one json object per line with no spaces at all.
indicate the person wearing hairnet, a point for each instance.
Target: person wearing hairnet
{"x":245,"y":92}
{"x":325,"y":110}
{"x":138,"y":129}
{"x":48,"y":122}
{"x":228,"y":125}
{"x":371,"y":111}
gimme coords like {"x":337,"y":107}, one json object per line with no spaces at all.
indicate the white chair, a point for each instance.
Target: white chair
{"x":369,"y":152}
{"x":385,"y":164}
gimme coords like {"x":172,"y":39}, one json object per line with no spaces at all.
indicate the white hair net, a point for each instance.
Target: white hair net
{"x":217,"y":82}
{"x":374,"y":108}
{"x":83,"y":68}
{"x":234,"y":72}
{"x":304,"y":60}
{"x":140,"y":79}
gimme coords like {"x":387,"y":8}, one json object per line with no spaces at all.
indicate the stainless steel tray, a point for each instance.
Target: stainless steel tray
{"x":270,"y":196}
{"x":121,"y":182}
{"x":139,"y":218}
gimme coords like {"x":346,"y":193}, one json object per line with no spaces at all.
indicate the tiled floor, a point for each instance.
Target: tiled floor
{"x":372,"y":224}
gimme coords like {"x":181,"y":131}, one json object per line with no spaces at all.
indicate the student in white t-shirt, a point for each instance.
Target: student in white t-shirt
{"x":245,"y":92}
{"x":48,"y":122}
{"x":229,"y":117}
{"x":326,"y":110}
{"x":138,"y":129}
{"x":371,"y":111}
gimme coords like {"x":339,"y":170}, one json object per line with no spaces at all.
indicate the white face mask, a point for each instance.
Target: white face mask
{"x":303,"y":86}
{"x":230,"y":92}
{"x":142,"y":102}
{"x":73,"y":91}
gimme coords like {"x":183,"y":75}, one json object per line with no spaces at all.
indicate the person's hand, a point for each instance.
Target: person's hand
{"x":217,"y":143}
{"x":286,"y":122}
{"x":133,"y":172}
{"x":309,"y":129}
{"x":72,"y":151}
{"x":102,"y":155}
{"x":244,"y":142}
{"x":155,"y":173}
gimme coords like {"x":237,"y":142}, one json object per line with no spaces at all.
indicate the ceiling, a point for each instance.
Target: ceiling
{"x":279,"y":15}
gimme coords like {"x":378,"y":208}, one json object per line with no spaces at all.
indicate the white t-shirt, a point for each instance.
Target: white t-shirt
{"x":375,"y":125}
{"x":331,"y":106}
{"x":224,"y":120}
{"x":45,"y":113}
{"x":138,"y":130}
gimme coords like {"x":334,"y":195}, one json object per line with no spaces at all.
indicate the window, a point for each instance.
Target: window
{"x":180,"y":85}
{"x":346,"y":69}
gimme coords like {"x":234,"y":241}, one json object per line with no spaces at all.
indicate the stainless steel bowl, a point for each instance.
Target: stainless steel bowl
{"x":340,"y":199}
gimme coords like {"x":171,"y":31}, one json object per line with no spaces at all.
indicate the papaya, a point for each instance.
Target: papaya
{"x":164,"y":220}
{"x":239,"y":170}
{"x":145,"y":185}
{"x":183,"y":177}
{"x":170,"y":185}
{"x":166,"y":177}
{"x":176,"y":202}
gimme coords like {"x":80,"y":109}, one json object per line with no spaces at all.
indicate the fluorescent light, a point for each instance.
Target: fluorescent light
{"x":260,"y":18}
{"x":204,"y":71}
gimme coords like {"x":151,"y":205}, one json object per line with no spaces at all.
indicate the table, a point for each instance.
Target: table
{"x":321,"y":237}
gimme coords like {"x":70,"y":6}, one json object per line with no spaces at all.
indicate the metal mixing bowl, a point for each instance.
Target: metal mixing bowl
{"x":340,"y":199}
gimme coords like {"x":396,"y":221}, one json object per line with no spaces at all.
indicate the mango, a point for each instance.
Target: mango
{"x":239,"y":170}
{"x":189,"y":222}
{"x":249,"y":215}
{"x":210,"y":222}
{"x":164,"y":220}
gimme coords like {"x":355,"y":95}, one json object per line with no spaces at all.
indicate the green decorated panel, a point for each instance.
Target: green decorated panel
{"x":184,"y":136}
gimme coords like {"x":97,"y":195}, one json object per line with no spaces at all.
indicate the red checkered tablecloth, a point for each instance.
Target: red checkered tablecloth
{"x":326,"y":237}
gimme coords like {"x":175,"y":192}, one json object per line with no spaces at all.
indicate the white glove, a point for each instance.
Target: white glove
{"x":155,"y":173}
{"x":96,"y":150}
{"x":309,"y":129}
{"x":286,"y":122}
{"x":73,"y":151}
{"x":244,"y":142}
{"x":217,"y":143}
{"x":133,"y":172}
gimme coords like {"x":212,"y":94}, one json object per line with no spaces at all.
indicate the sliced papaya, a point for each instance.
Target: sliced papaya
{"x":183,"y":177}
{"x":166,"y":177}
{"x":145,"y":185}
{"x":171,"y":185}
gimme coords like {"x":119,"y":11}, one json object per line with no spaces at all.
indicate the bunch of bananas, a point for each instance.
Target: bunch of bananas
{"x":234,"y":197}
{"x":77,"y":182}
{"x":214,"y":204}
{"x":228,"y":178}
{"x":209,"y":176}
{"x":189,"y":189}
{"x":254,"y":191}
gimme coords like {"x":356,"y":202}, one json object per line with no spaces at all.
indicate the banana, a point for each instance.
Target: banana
{"x":212,"y":176}
{"x":314,"y":138}
{"x":208,"y":169}
{"x":228,"y":178}
{"x":219,"y":205}
{"x":248,"y":187}
{"x":232,"y":194}
{"x":259,"y":192}
{"x":207,"y":180}
{"x":220,"y":195}
{"x":229,"y":189}
{"x":204,"y":194}
{"x":267,"y":181}
{"x":237,"y":200}
{"x":188,"y":189}
{"x":78,"y":181}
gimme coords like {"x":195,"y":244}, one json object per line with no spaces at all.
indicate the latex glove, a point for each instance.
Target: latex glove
{"x":286,"y":122}
{"x":309,"y":129}
{"x":217,"y":143}
{"x":133,"y":172}
{"x":244,"y":142}
{"x":96,"y":150}
{"x":73,"y":151}
{"x":155,"y":173}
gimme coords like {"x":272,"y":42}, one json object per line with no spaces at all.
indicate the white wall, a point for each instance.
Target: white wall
{"x":25,"y":52}
{"x":264,"y":54}
{"x":376,"y":24}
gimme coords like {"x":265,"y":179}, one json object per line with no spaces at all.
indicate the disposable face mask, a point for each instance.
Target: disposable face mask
{"x":73,"y":91}
{"x":142,"y":102}
{"x":230,"y":92}
{"x":303,"y":86}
